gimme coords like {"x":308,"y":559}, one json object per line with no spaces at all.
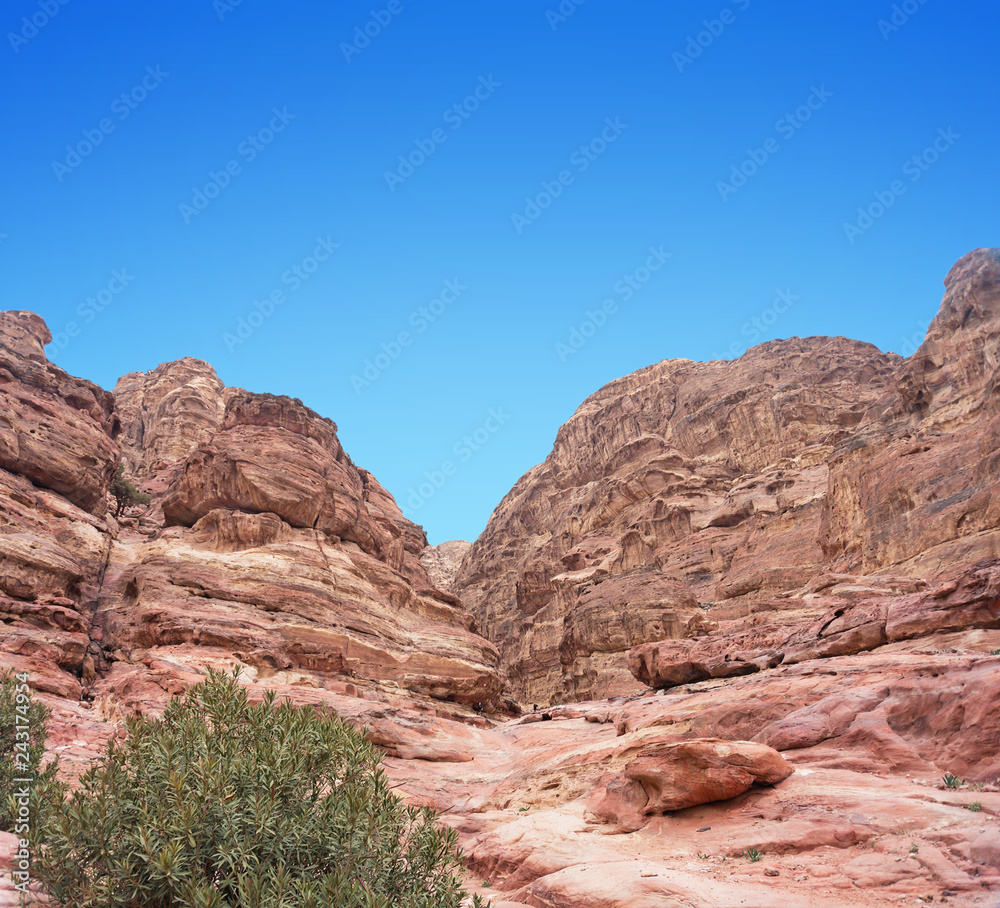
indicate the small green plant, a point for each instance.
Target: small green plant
{"x":975,"y":807}
{"x":124,"y":492}
{"x":752,"y":854}
{"x":222,"y":804}
{"x":995,"y":652}
{"x":914,"y":848}
{"x":703,"y":856}
{"x":951,"y":781}
{"x":27,"y":789}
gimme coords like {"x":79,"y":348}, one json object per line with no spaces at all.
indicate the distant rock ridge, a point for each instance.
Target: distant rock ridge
{"x":443,"y":561}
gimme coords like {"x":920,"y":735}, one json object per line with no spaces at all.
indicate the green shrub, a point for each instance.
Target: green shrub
{"x":952,"y":781}
{"x":221,"y":803}
{"x":124,"y":492}
{"x":22,"y":746}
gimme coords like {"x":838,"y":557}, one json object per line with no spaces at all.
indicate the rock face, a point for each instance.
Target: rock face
{"x":263,"y":540}
{"x":708,"y":512}
{"x":681,"y":484}
{"x":890,"y":503}
{"x":443,"y":561}
{"x":273,"y":455}
{"x":167,"y":413}
{"x":779,"y":576}
{"x":277,"y":548}
{"x":57,"y":431}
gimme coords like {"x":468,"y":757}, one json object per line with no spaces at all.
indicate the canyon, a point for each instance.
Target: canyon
{"x":718,"y":649}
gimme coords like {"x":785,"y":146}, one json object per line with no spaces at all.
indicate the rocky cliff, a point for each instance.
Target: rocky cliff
{"x":771,"y":587}
{"x":705,"y":510}
{"x":263,"y":543}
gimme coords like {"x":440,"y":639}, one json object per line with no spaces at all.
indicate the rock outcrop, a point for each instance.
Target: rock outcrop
{"x":167,"y":413}
{"x":57,"y":431}
{"x":676,"y":487}
{"x":264,"y":543}
{"x":443,"y":561}
{"x":770,"y":588}
{"x":710,"y":517}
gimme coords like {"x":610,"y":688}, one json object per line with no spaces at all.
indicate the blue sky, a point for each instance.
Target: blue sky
{"x":447,"y":232}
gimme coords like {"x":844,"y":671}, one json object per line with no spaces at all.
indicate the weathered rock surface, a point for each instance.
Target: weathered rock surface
{"x":682,"y":483}
{"x":280,"y":549}
{"x":55,"y":430}
{"x":666,"y":776}
{"x":715,"y":517}
{"x":167,"y":412}
{"x":285,"y":598}
{"x":798,"y":549}
{"x":443,"y":561}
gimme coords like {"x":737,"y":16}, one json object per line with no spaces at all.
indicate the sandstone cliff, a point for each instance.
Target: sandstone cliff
{"x":264,"y":543}
{"x":686,"y":497}
{"x":788,"y":563}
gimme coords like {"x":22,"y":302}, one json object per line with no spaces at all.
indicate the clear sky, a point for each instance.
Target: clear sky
{"x":539,"y":196}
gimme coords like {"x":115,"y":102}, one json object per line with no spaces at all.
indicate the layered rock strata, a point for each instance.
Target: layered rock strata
{"x":713,"y":511}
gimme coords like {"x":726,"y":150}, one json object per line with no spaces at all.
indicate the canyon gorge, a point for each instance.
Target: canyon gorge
{"x":743,"y":607}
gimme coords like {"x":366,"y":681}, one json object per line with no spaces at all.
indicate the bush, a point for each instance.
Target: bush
{"x":221,"y":803}
{"x":124,"y":492}
{"x":22,"y":746}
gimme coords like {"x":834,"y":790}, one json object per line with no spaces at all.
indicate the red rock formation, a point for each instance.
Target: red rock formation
{"x":674,"y":775}
{"x":688,"y":509}
{"x":282,"y":551}
{"x":890,"y":503}
{"x":55,"y":430}
{"x":167,"y":413}
{"x":681,"y":483}
{"x":798,"y":549}
{"x":443,"y":561}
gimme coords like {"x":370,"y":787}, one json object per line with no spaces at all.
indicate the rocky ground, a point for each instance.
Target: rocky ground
{"x":720,"y":649}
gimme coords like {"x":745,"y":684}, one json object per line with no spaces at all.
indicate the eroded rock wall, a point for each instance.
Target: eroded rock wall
{"x":692,"y":507}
